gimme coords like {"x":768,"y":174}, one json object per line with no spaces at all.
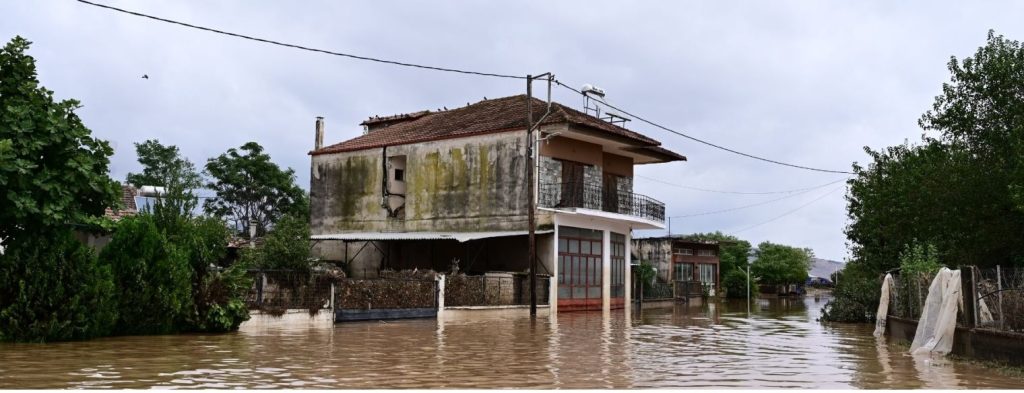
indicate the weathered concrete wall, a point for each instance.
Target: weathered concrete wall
{"x":461,"y":185}
{"x":260,"y":322}
{"x":658,"y":252}
{"x":976,"y":343}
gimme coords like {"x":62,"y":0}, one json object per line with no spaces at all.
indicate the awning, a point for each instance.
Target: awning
{"x":458,"y":236}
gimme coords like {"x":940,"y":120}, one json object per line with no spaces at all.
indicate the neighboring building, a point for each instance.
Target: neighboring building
{"x":430,"y":190}
{"x":682,"y":262}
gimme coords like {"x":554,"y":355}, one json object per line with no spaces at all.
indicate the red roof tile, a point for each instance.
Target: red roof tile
{"x":488,"y":116}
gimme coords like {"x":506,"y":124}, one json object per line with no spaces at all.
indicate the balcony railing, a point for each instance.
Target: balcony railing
{"x":595,"y":197}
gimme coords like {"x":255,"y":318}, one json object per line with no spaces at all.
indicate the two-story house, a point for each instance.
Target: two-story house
{"x":692,"y":267}
{"x":439,"y":189}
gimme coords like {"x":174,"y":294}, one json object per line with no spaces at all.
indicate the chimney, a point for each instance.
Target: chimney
{"x":319,"y":133}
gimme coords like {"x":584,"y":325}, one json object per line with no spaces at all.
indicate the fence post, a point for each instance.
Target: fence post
{"x":970,"y":296}
{"x":332,"y":298}
{"x":260,"y":282}
{"x":998,"y":288}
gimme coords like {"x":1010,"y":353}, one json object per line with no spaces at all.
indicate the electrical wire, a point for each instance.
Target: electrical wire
{"x":737,"y":192}
{"x":664,"y":128}
{"x":454,"y":70}
{"x":759,"y":203}
{"x":789,"y":212}
{"x":294,"y":46}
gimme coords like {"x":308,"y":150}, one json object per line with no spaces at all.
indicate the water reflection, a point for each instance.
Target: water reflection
{"x":712,"y":345}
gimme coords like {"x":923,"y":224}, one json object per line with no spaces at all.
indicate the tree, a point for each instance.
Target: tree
{"x":285,"y":247}
{"x":777,"y":264}
{"x":735,"y":283}
{"x":54,"y":172}
{"x":960,"y":189}
{"x":252,"y":190}
{"x":218,"y":294}
{"x":152,"y":276}
{"x":54,"y":289}
{"x":164,"y":166}
{"x":732,"y":250}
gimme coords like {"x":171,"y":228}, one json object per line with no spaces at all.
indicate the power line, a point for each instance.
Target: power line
{"x":653,"y":124}
{"x":294,"y":46}
{"x":738,"y":192}
{"x":789,"y":212}
{"x":454,"y":70}
{"x":759,"y":203}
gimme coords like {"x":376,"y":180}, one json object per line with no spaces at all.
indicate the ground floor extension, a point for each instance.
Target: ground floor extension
{"x":584,"y":258}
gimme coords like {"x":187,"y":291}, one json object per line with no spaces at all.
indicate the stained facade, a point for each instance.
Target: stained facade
{"x":447,"y":191}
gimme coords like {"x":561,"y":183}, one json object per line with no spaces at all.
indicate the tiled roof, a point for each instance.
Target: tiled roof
{"x":128,"y":199}
{"x":487,"y":116}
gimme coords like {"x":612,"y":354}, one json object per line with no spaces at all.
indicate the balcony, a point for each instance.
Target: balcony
{"x":594,"y":197}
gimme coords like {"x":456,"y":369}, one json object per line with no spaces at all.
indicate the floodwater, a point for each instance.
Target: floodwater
{"x":706,"y":346}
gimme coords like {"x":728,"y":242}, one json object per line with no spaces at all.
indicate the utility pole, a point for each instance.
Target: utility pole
{"x":531,"y":153}
{"x":531,"y":219}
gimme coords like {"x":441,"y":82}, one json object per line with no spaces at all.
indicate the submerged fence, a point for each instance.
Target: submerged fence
{"x":493,"y":290}
{"x":658,"y":290}
{"x":992,"y":297}
{"x":276,"y":291}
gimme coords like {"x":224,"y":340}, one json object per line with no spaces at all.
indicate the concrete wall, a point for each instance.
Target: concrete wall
{"x":499,"y":254}
{"x":658,"y":252}
{"x":461,"y":185}
{"x":978,"y":343}
{"x":260,"y":322}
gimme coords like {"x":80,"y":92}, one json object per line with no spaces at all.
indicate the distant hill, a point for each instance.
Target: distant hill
{"x":824,"y":267}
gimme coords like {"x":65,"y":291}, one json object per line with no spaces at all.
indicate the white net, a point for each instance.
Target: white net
{"x":937,"y":325}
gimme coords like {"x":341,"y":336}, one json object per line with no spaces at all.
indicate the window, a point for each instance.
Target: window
{"x":579,"y":263}
{"x":706,"y":253}
{"x":707,"y":273}
{"x":399,"y":174}
{"x":684,"y":251}
{"x":618,"y":268}
{"x":684,"y":272}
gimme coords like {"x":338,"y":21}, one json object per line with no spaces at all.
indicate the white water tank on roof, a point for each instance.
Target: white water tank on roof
{"x":151,"y":191}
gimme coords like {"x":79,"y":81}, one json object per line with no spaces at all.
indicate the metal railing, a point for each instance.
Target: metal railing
{"x":658,"y":290}
{"x":595,"y":197}
{"x":688,"y":289}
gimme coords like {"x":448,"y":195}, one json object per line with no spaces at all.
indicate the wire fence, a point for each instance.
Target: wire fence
{"x":277,"y":291}
{"x":1001,"y":298}
{"x":998,"y":297}
{"x":492,"y":290}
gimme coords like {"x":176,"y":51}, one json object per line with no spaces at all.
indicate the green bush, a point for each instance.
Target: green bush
{"x":217,"y":294}
{"x":735,"y":284}
{"x":219,"y":301}
{"x":52,"y":288}
{"x":152,"y":276}
{"x":285,"y":247}
{"x":855,"y":296}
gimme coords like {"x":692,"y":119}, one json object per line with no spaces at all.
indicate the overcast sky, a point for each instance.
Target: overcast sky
{"x":810,"y":83}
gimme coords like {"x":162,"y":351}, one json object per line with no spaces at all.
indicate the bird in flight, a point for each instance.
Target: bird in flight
{"x":144,"y":76}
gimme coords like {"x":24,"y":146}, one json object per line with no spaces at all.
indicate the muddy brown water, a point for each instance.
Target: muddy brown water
{"x":708,"y":346}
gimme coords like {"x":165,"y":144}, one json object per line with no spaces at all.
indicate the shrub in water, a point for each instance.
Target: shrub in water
{"x":52,"y":288}
{"x":153,"y":278}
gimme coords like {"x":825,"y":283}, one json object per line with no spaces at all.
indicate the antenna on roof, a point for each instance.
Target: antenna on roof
{"x":593,"y":101}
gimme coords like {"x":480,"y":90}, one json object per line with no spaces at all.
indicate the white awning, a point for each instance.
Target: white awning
{"x":458,"y":236}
